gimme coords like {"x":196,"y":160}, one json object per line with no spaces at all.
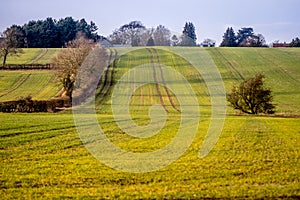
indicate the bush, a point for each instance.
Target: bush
{"x":251,"y":97}
{"x":28,"y":105}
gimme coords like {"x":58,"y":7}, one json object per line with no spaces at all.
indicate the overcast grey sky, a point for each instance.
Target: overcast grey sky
{"x":275,"y":19}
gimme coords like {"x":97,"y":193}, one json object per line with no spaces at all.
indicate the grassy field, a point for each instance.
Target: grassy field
{"x":33,"y":56}
{"x":281,"y":67}
{"x":42,"y":155}
{"x":17,"y":84}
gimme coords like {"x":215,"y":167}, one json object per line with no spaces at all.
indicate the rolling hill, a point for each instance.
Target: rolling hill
{"x":45,"y":155}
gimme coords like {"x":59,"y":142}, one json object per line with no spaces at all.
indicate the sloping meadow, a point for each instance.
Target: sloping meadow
{"x":43,"y":156}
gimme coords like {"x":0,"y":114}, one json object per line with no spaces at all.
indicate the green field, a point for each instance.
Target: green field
{"x":42,"y":155}
{"x":33,"y":56}
{"x":38,"y":84}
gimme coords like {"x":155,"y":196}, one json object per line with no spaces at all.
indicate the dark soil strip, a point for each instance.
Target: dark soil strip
{"x":26,"y":67}
{"x":164,"y":82}
{"x":106,"y":73}
{"x":113,"y":65}
{"x":108,"y":78}
{"x":156,"y":81}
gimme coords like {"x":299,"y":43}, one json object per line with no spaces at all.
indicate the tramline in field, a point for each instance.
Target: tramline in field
{"x":254,"y":157}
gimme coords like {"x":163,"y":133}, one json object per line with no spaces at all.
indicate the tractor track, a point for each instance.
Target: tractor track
{"x":231,"y":65}
{"x":156,"y":80}
{"x":164,"y":82}
{"x":19,"y":83}
{"x":105,"y":88}
{"x":38,"y":57}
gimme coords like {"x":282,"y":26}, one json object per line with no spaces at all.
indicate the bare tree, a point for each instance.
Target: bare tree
{"x":162,"y":36}
{"x":68,"y":61}
{"x":9,"y":43}
{"x":146,"y":35}
{"x":128,"y":34}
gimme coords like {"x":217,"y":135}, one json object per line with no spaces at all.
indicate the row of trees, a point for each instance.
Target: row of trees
{"x":295,"y":42}
{"x":245,"y":37}
{"x":49,"y":33}
{"x":136,"y":34}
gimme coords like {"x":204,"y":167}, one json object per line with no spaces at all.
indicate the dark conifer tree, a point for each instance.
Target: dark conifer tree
{"x":244,"y":34}
{"x":150,"y":42}
{"x":188,"y":37}
{"x":229,"y":38}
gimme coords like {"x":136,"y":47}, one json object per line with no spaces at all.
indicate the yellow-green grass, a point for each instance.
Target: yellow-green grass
{"x":33,"y":56}
{"x":281,"y":67}
{"x":39,"y":84}
{"x":43,"y":157}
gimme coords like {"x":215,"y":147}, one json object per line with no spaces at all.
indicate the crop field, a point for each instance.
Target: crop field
{"x":17,"y":84}
{"x":33,"y":56}
{"x":43,"y":156}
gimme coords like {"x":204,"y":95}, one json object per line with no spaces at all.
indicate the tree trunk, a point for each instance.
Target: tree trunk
{"x":5,"y":56}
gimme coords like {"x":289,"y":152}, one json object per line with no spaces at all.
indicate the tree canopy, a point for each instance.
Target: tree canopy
{"x":295,"y":42}
{"x":251,"y":97}
{"x":68,"y":61}
{"x":229,"y":38}
{"x":245,"y":37}
{"x":129,"y":34}
{"x":188,"y":37}
{"x":150,"y":42}
{"x":10,"y":43}
{"x":161,"y":36}
{"x":50,"y":33}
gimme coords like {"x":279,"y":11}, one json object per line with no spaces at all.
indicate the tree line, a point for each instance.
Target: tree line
{"x":245,"y":37}
{"x":49,"y":33}
{"x":52,"y":33}
{"x":136,"y":34}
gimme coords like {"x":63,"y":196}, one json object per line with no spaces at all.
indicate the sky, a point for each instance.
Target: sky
{"x":275,"y":19}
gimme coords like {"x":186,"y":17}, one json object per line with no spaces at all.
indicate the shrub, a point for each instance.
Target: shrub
{"x":28,"y":105}
{"x":251,"y":97}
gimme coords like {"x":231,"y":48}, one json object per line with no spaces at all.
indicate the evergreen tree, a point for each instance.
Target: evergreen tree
{"x":295,"y":42}
{"x":50,"y":33}
{"x":67,"y":30}
{"x":150,"y":42}
{"x":244,"y":34}
{"x":188,"y":37}
{"x":229,"y":38}
{"x":175,"y":40}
